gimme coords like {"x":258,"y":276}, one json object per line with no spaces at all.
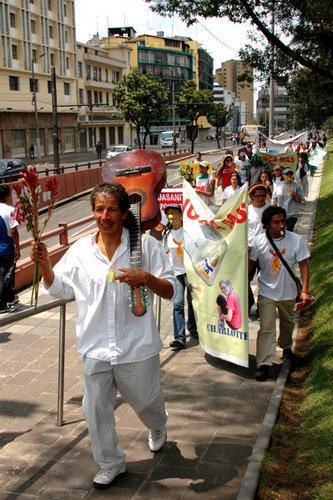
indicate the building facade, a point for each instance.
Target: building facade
{"x":227,"y":76}
{"x":99,"y":71}
{"x":34,"y":37}
{"x":283,"y":108}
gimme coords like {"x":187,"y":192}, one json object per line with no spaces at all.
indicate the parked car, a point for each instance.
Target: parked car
{"x":10,"y":169}
{"x":116,"y":150}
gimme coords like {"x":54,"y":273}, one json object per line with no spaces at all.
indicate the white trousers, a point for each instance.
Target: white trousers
{"x":138,"y":383}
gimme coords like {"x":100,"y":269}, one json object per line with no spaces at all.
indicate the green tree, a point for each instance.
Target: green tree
{"x":219,"y":116}
{"x":142,"y":100}
{"x":302,"y":34}
{"x":191,"y":103}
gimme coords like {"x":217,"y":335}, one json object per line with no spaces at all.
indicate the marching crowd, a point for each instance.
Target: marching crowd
{"x":120,"y":351}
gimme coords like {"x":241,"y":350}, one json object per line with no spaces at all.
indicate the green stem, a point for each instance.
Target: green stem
{"x":35,"y":285}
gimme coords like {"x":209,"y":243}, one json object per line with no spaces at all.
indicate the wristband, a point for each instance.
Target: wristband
{"x":305,"y":291}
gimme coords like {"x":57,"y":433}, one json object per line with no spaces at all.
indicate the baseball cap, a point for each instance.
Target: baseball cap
{"x":204,"y":164}
{"x":177,"y":206}
{"x":287,"y":170}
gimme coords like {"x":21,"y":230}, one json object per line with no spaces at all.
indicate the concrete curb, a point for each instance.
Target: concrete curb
{"x":250,"y":481}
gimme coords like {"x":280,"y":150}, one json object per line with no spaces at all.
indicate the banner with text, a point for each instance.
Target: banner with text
{"x":283,"y":159}
{"x":216,"y":258}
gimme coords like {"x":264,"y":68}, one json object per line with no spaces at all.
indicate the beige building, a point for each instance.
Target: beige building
{"x":99,"y":71}
{"x":36,"y":35}
{"x":227,"y":75}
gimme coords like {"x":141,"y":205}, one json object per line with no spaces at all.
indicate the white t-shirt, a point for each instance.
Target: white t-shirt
{"x":204,"y":183}
{"x":274,"y":280}
{"x":242,"y":167}
{"x":254,"y":222}
{"x":174,"y":245}
{"x":284,"y":199}
{"x":229,"y":191}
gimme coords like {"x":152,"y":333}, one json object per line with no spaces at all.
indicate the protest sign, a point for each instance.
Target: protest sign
{"x":216,"y":258}
{"x":283,"y":159}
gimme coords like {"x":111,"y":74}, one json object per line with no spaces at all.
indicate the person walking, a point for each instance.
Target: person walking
{"x":242,"y":163}
{"x":120,"y":351}
{"x":301,"y":174}
{"x":99,"y":149}
{"x":9,"y":248}
{"x":173,"y":239}
{"x":205,"y":185}
{"x":232,"y":189}
{"x":277,"y":289}
{"x":223,"y":174}
{"x":288,"y":195}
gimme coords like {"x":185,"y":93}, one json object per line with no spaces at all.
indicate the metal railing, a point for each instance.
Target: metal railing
{"x":32,"y":311}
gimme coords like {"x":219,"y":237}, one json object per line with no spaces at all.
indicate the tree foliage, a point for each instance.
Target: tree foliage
{"x":303,"y":28}
{"x":142,"y":100}
{"x":191,"y":103}
{"x":219,"y":116}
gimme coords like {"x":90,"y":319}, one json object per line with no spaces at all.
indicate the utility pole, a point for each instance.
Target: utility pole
{"x":271,"y":84}
{"x":55,"y":122}
{"x":174,"y":119}
{"x":34,"y":89}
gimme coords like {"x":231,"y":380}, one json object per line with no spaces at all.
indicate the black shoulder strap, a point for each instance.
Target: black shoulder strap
{"x":270,"y":239}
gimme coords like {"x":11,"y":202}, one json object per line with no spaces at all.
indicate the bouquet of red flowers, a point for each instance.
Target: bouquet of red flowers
{"x":27,"y":209}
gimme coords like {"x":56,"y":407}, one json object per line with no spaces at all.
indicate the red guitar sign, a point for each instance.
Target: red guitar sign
{"x":142,"y":173}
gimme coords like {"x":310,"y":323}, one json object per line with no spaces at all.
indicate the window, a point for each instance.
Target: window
{"x":113,"y":76}
{"x":100,"y":97}
{"x":95,"y":73}
{"x":32,"y":1}
{"x":88,"y":74}
{"x":99,"y":74}
{"x":65,"y":10}
{"x":52,"y":59}
{"x":67,"y":88}
{"x":106,"y":75}
{"x":66,"y":36}
{"x":95,"y":97}
{"x":67,"y":62}
{"x":14,"y":51}
{"x":31,"y":84}
{"x":49,"y":5}
{"x":14,"y":83}
{"x":80,"y":96}
{"x":34,"y":56}
{"x":107,"y":98}
{"x":49,"y":86}
{"x":51,"y":32}
{"x":89,"y":97}
{"x":33,"y":26}
{"x":12,"y":20}
{"x":80,"y":69}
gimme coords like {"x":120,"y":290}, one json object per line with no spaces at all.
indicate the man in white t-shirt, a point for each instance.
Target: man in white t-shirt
{"x":257,"y":205}
{"x":277,"y":289}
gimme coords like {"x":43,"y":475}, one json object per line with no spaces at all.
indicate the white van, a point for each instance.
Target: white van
{"x":166,"y":139}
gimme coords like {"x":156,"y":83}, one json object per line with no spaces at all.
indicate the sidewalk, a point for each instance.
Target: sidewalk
{"x":216,"y":411}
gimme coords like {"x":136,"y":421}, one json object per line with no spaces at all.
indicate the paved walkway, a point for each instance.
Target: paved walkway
{"x":216,"y":411}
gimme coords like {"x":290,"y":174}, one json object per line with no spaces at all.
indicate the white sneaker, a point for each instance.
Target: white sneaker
{"x":106,"y":475}
{"x":157,"y":439}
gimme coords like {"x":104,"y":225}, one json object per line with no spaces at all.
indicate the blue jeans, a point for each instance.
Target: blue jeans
{"x":179,"y":311}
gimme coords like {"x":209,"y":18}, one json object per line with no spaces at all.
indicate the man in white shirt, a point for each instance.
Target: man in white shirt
{"x":120,"y":351}
{"x":257,"y":205}
{"x":277,"y":289}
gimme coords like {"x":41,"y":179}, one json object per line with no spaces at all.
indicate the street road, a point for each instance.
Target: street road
{"x":80,"y":208}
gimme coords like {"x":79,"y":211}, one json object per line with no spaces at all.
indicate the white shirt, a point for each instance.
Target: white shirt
{"x":284,"y":199}
{"x":174,"y":245}
{"x":242,"y":167}
{"x":229,"y":191}
{"x":255,"y":226}
{"x":6,"y":213}
{"x":205,"y":183}
{"x":274,"y":280}
{"x":106,"y":329}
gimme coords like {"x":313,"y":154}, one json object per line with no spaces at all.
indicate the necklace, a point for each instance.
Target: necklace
{"x":112,"y":273}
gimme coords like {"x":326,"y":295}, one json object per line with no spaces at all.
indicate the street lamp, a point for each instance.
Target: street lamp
{"x":34,"y":90}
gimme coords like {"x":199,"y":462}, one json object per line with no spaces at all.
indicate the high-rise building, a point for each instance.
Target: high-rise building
{"x":174,"y":60}
{"x":283,"y":115}
{"x":34,"y":37}
{"x":227,"y":76}
{"x":99,"y":71}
